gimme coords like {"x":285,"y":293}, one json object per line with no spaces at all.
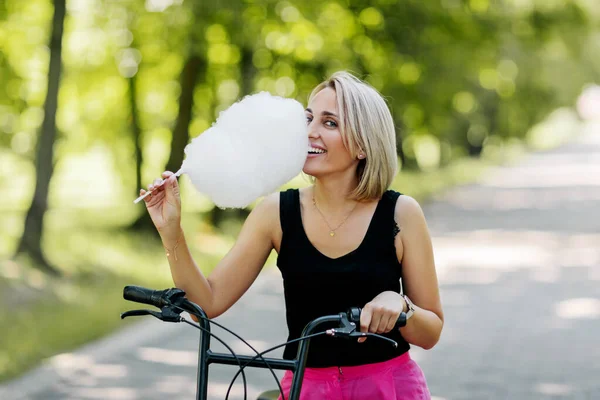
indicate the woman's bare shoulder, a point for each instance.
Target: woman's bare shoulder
{"x":408,"y":210}
{"x":268,"y":207}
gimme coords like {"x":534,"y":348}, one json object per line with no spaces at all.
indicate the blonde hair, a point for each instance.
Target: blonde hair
{"x":366,"y":125}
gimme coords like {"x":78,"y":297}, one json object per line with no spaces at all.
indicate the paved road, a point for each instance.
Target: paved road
{"x":518,"y":259}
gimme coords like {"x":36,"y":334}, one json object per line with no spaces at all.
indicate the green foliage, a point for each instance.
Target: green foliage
{"x":460,"y":71}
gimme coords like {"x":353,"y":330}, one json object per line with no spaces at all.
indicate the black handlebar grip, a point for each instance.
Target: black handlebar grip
{"x":143,"y":295}
{"x":401,"y":321}
{"x":354,"y":315}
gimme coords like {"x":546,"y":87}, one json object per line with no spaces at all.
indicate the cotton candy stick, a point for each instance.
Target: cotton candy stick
{"x":142,"y":197}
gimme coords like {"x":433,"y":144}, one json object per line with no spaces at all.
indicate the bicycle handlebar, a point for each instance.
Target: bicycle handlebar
{"x":163,"y":298}
{"x":172,"y":302}
{"x":156,"y":298}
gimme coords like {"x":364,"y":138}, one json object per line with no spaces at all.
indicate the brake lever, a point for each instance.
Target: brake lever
{"x":345,"y":334}
{"x":368,"y":334}
{"x":348,"y":330}
{"x":167,"y":314}
{"x":136,"y":313}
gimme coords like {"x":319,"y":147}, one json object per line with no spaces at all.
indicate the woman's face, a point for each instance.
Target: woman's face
{"x":327,"y":153}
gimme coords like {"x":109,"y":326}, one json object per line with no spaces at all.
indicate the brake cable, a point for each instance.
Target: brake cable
{"x":258,"y":355}
{"x":347,"y":330}
{"x":241,"y":370}
{"x":224,"y":344}
{"x":168,"y":314}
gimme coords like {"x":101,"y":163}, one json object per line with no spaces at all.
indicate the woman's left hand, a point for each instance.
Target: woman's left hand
{"x":380,"y":314}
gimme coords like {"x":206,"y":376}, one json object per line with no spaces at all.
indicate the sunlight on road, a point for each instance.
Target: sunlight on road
{"x":241,"y":348}
{"x":523,"y":199}
{"x":113,"y":393}
{"x":176,"y":384}
{"x":69,"y":365}
{"x":488,"y":251}
{"x":553,"y":389}
{"x":169,"y":357}
{"x":219,"y":390}
{"x":583,"y":308}
{"x":562,"y":176}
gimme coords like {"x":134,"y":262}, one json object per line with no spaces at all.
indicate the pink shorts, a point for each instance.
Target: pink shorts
{"x":395,"y":379}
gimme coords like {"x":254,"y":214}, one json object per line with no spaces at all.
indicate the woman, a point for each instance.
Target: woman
{"x":344,"y":241}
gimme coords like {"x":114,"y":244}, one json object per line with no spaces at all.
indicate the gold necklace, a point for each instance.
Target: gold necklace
{"x":332,"y":230}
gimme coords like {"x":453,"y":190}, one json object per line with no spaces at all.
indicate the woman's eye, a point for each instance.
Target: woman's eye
{"x":308,"y":119}
{"x":330,"y":124}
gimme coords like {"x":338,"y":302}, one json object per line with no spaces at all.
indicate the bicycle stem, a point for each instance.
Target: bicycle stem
{"x":202,"y":384}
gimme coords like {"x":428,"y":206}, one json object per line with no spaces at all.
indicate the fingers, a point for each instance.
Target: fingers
{"x":365,"y":321}
{"x":148,"y":198}
{"x":156,"y":185}
{"x":377,"y":319}
{"x":153,"y":197}
{"x":159,"y":185}
{"x":391,"y":324}
{"x":365,"y":318}
{"x":172,"y":182}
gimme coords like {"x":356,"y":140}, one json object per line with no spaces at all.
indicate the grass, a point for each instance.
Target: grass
{"x":59,"y":317}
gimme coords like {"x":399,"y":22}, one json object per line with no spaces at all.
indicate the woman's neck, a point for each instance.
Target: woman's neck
{"x":333,"y":195}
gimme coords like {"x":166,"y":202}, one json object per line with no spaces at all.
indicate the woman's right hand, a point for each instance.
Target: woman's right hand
{"x":164,"y":204}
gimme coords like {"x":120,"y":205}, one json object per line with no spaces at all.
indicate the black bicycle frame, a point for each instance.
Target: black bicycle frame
{"x":207,"y":357}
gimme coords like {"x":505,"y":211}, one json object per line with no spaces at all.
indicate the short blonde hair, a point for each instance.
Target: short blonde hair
{"x":365,"y":124}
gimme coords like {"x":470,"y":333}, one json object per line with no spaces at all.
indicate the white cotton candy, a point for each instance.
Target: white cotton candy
{"x":255,"y":146}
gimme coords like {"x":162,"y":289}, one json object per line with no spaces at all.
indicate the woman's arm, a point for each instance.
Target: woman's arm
{"x":419,"y":280}
{"x":234,"y":274}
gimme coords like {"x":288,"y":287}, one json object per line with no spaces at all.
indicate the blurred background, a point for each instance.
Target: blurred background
{"x":98,"y":97}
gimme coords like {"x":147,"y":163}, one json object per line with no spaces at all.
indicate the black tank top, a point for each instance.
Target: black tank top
{"x":317,"y":285}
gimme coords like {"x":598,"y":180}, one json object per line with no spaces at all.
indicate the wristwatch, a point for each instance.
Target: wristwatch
{"x":410,"y":305}
{"x":404,"y":316}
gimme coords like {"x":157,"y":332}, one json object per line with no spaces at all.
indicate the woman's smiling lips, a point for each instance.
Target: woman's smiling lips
{"x":315,"y":151}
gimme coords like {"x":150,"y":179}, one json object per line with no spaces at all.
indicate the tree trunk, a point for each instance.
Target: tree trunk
{"x":137,"y":133}
{"x":31,"y":241}
{"x":143,"y":222}
{"x":193,"y":67}
{"x":248,"y":71}
{"x":399,"y":149}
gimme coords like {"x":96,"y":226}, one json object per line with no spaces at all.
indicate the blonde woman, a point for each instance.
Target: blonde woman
{"x":346,"y":241}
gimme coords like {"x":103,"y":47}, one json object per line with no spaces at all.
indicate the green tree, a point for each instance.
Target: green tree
{"x":31,"y":240}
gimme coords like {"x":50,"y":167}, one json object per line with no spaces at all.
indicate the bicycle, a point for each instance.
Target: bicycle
{"x":172,"y":302}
